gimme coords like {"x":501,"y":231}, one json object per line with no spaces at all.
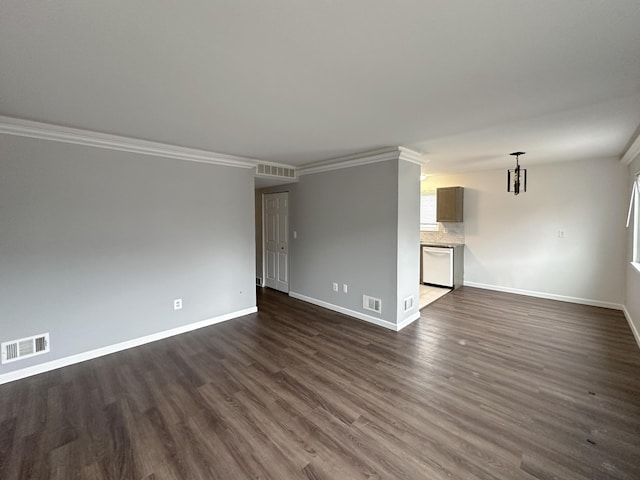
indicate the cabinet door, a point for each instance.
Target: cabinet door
{"x":449,"y":204}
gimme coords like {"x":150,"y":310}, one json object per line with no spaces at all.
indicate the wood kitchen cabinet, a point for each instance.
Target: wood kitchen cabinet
{"x":449,"y":202}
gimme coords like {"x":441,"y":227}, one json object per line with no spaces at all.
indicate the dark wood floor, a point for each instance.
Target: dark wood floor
{"x":484,"y":386}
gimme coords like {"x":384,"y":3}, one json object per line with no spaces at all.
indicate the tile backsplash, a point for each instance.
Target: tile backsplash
{"x":447,"y":233}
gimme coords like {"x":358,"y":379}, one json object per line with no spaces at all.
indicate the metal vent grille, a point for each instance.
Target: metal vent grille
{"x":371,"y":303}
{"x":408,"y":303}
{"x":275,"y":171}
{"x":25,"y":347}
{"x":12,"y":352}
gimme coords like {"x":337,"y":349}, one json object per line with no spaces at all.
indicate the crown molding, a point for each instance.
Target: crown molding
{"x":363,"y":158}
{"x":88,"y":138}
{"x":632,"y":152}
{"x":56,"y":133}
{"x":412,"y":156}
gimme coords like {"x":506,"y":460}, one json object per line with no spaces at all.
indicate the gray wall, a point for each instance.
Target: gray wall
{"x":347,"y":222}
{"x":96,"y":244}
{"x":408,"y":237}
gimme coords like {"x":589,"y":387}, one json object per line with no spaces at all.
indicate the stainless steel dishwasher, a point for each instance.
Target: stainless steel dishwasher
{"x":437,"y":266}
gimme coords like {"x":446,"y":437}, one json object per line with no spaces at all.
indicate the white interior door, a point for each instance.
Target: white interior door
{"x":276,"y":240}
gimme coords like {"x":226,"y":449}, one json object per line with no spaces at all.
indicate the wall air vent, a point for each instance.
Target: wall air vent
{"x":25,"y":348}
{"x":265,"y":170}
{"x":408,"y":303}
{"x":371,"y":303}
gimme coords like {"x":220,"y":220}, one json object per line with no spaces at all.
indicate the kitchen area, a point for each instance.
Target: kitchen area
{"x":441,"y":241}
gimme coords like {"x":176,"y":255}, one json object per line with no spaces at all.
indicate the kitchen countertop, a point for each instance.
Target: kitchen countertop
{"x":441,"y":245}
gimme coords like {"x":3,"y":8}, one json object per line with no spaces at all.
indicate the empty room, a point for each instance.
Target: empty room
{"x":320,"y":240}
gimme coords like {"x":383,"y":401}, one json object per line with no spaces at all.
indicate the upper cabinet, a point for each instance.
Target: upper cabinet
{"x":449,"y":204}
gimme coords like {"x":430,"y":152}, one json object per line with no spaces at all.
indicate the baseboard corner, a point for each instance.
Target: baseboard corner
{"x":408,"y":321}
{"x":632,"y":325}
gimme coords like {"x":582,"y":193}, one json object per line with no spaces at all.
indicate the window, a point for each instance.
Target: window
{"x":428,"y":207}
{"x":634,"y":207}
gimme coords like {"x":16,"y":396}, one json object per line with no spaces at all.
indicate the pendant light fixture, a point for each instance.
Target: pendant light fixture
{"x":517,"y":177}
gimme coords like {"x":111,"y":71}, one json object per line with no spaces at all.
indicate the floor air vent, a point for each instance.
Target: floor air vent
{"x":275,"y":171}
{"x":371,"y":303}
{"x":25,"y":348}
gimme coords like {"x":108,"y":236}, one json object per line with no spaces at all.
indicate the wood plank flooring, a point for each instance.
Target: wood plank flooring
{"x":484,"y":386}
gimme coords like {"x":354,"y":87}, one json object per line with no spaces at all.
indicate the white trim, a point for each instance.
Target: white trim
{"x":408,"y":321}
{"x":363,"y":158}
{"x":549,"y":296}
{"x":412,"y":156}
{"x":356,"y":160}
{"x":634,"y":330}
{"x":264,"y":243}
{"x":45,"y":131}
{"x":632,"y":152}
{"x":346,"y":311}
{"x":99,"y":352}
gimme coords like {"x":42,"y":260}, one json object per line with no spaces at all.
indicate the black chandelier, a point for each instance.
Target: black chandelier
{"x":517,"y":177}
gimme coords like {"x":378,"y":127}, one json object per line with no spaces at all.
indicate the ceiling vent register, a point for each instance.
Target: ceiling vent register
{"x":275,"y":171}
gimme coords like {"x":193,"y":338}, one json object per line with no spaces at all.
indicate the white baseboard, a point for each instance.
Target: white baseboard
{"x":99,"y":352}
{"x":549,"y":296}
{"x":408,"y":321}
{"x":632,"y":325}
{"x":352,"y":313}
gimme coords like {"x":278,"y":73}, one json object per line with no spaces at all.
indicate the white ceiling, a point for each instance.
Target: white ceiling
{"x":290,"y":81}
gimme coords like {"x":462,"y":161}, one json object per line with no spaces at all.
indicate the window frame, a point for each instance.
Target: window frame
{"x":635,"y":248}
{"x":429,"y":227}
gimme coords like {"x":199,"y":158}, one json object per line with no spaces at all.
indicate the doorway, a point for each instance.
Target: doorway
{"x":275,"y":244}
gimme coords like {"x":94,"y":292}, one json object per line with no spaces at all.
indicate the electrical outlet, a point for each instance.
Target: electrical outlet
{"x":561,"y":234}
{"x":177,"y":304}
{"x":335,"y":287}
{"x":344,"y":287}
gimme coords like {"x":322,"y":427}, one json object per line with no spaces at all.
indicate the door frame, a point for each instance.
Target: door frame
{"x":264,"y":241}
